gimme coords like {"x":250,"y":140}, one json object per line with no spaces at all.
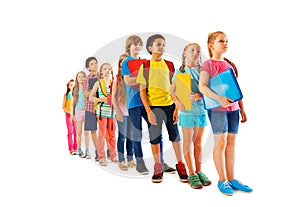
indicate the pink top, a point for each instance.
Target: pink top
{"x":213,"y":68}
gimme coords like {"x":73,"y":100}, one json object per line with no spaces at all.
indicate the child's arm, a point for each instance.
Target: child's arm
{"x":242,"y":111}
{"x":119,"y":114}
{"x":177,"y":102}
{"x":130,"y":80}
{"x":93,"y":97}
{"x":145,"y":101}
{"x":203,"y":81}
{"x":72,"y":109}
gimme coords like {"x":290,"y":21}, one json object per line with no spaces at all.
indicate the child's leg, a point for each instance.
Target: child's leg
{"x":187,"y":148}
{"x":79,"y":133}
{"x":87,"y":139}
{"x":129,"y":139}
{"x":74,"y":140}
{"x":69,"y":128}
{"x":198,"y":134}
{"x":156,"y":152}
{"x":111,"y":130}
{"x":229,"y":154}
{"x":122,"y":126}
{"x":219,"y":154}
{"x":102,"y":125}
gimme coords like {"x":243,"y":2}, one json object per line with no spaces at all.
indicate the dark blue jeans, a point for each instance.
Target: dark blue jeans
{"x":125,"y":133}
{"x":135,"y":115}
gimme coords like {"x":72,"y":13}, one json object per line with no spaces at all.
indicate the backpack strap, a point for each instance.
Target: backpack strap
{"x":146,"y":66}
{"x":171,"y":69}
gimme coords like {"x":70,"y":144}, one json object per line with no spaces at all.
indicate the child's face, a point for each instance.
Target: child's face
{"x":93,"y":66}
{"x":80,"y":78}
{"x":158,"y":46}
{"x":71,"y":84}
{"x":192,"y":53}
{"x":135,"y":49}
{"x":106,"y":70}
{"x":220,"y":45}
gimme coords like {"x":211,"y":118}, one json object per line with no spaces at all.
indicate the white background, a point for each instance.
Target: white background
{"x":44,"y":43}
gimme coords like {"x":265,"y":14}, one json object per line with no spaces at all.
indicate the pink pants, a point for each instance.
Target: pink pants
{"x":106,"y":125}
{"x":71,"y":126}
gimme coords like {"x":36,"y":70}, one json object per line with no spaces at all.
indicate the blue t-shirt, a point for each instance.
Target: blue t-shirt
{"x":81,"y":100}
{"x":132,"y":94}
{"x":197,"y":106}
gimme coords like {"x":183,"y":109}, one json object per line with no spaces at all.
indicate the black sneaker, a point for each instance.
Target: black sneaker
{"x":158,"y":173}
{"x":142,"y":169}
{"x":168,"y":169}
{"x":96,"y":156}
{"x":180,"y":167}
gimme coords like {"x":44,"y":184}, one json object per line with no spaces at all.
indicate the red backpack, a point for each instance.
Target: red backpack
{"x":146,"y":65}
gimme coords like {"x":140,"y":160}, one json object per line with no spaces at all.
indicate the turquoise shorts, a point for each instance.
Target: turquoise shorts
{"x":190,"y":121}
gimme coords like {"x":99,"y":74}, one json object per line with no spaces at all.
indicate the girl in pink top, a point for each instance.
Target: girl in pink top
{"x":225,"y":119}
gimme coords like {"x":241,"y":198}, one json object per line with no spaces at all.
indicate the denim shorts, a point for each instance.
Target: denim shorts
{"x":90,"y":123}
{"x":191,"y":121}
{"x":224,"y":121}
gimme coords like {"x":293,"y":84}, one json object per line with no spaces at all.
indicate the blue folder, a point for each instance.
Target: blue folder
{"x":224,"y":84}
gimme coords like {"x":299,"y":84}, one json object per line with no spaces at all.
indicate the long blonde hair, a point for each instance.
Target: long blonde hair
{"x":120,"y":94}
{"x":211,"y":39}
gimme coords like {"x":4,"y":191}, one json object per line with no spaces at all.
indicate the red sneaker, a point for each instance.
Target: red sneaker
{"x":158,"y":173}
{"x":180,"y":167}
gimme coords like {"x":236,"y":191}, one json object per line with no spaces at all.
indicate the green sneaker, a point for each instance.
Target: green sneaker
{"x":204,"y":180}
{"x":195,"y":181}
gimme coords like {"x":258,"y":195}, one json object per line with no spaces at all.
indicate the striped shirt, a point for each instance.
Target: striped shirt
{"x":105,"y":109}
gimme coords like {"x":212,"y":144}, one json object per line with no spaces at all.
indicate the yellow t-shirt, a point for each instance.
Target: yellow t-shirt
{"x":158,"y":83}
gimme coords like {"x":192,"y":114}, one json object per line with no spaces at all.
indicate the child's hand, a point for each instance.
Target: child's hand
{"x":180,"y":106}
{"x":151,"y":118}
{"x":119,"y":117}
{"x":243,"y":116}
{"x":175,"y":117}
{"x":224,"y":101}
{"x":195,"y":96}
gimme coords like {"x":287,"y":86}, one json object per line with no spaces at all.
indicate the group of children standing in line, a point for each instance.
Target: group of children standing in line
{"x":120,"y":103}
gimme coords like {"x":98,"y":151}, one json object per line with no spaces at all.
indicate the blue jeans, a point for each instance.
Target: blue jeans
{"x":135,"y":115}
{"x":125,"y":133}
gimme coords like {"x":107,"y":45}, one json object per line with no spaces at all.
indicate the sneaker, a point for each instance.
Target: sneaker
{"x":96,"y":156}
{"x":225,"y":188}
{"x":103,"y":162}
{"x":180,"y":167}
{"x":204,"y":180}
{"x":131,"y":163}
{"x":236,"y":185}
{"x":168,"y":169}
{"x":87,"y":155}
{"x":194,"y":181}
{"x":115,"y":159}
{"x":158,"y":173}
{"x":81,"y":154}
{"x":73,"y":152}
{"x":142,"y":169}
{"x":123,"y":165}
